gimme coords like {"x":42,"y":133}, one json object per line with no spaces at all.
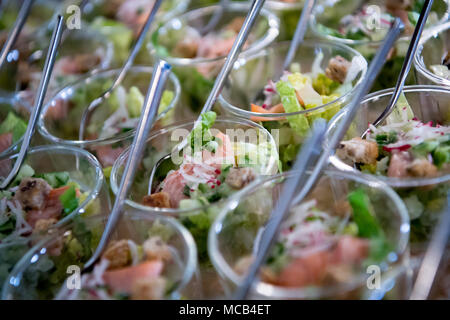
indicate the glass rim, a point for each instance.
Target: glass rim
{"x":392,"y":182}
{"x":310,"y":43}
{"x":269,"y":36}
{"x":283,"y":6}
{"x":419,"y":64}
{"x":189,"y":245}
{"x":82,"y":82}
{"x":93,"y":162}
{"x":114,"y":182}
{"x":273,"y":291}
{"x":313,"y":25}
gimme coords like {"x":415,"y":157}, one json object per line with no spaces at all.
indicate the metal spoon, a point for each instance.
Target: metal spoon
{"x":309,"y":152}
{"x":148,"y":114}
{"x":406,"y":64}
{"x":127,"y":65}
{"x":220,"y":80}
{"x":215,"y":18}
{"x":15,"y":31}
{"x":40,"y":95}
{"x":306,"y":156}
{"x":297,"y":40}
{"x":433,"y":255}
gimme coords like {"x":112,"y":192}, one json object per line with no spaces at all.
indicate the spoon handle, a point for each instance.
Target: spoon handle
{"x":299,"y":34}
{"x":233,"y":54}
{"x":148,"y":114}
{"x":374,"y":69}
{"x":310,"y":150}
{"x":137,"y":46}
{"x":15,"y":31}
{"x":39,"y":101}
{"x":407,"y":63}
{"x":122,"y":73}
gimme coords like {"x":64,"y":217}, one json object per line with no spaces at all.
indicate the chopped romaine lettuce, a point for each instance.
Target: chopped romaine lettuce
{"x":291,"y":104}
{"x":15,"y":125}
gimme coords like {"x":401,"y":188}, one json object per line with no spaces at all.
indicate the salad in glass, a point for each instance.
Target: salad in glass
{"x":121,"y":20}
{"x":49,"y":191}
{"x":410,"y":151}
{"x":197,"y":59}
{"x":325,"y":244}
{"x":149,"y":257}
{"x":222,"y":156}
{"x":320,"y":81}
{"x":82,"y":52}
{"x":37,"y":24}
{"x":112,"y":124}
{"x":432,"y":59}
{"x":364,"y":24}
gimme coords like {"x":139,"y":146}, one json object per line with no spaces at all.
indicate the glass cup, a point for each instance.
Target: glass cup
{"x":240,"y":224}
{"x":14,"y":115}
{"x":329,"y":14}
{"x":121,"y":22}
{"x":82,"y":52}
{"x":82,"y":168}
{"x":197,"y":219}
{"x":60,"y":119}
{"x":251,"y":74}
{"x":42,"y":272}
{"x":289,"y":12}
{"x":197,"y":74}
{"x":38,"y":22}
{"x":425,"y":198}
{"x":433,"y":47}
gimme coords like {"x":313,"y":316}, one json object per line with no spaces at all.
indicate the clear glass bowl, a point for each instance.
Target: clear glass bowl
{"x":42,"y":272}
{"x":161,"y":143}
{"x":65,"y":130}
{"x":83,"y":51}
{"x":47,"y":159}
{"x":197,"y":75}
{"x":234,"y":233}
{"x":432,"y":48}
{"x":429,"y":103}
{"x":251,"y":74}
{"x":21,"y":109}
{"x":329,"y":14}
{"x":38,"y":23}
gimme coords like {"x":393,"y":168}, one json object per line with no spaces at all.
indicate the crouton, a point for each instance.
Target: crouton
{"x":118,"y":254}
{"x":358,"y":151}
{"x":337,"y":69}
{"x":237,"y":178}
{"x":32,"y":193}
{"x":44,"y":224}
{"x":158,"y":200}
{"x":156,"y":249}
{"x":186,"y":48}
{"x":422,"y":168}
